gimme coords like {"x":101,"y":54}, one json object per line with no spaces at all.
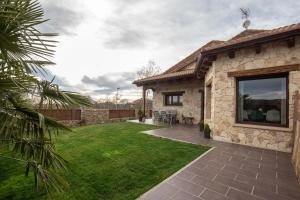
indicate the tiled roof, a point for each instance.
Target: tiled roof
{"x":191,"y":58}
{"x":265,"y":33}
{"x":166,"y":76}
{"x":247,"y":33}
{"x":179,"y":69}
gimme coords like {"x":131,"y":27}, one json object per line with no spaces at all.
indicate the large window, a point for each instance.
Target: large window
{"x":263,"y":100}
{"x":174,"y":99}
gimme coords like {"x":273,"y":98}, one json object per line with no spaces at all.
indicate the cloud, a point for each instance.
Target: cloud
{"x":108,"y":83}
{"x":100,"y":86}
{"x":136,"y":24}
{"x":63,"y":17}
{"x":122,"y":35}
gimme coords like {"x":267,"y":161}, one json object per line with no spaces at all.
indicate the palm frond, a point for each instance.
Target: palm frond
{"x":51,"y":96}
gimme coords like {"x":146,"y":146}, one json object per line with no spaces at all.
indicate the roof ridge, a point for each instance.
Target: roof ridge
{"x":176,"y":68}
{"x":254,"y":36}
{"x":249,"y":32}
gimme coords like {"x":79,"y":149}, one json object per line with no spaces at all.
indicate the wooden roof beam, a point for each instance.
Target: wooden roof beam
{"x":258,"y":49}
{"x":212,"y":58}
{"x":231,"y":54}
{"x":291,"y":42}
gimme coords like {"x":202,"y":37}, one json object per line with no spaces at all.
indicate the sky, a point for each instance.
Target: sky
{"x":102,"y":43}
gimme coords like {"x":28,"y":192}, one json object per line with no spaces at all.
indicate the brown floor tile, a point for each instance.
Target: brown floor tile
{"x":155,"y":196}
{"x":238,"y":195}
{"x":267,"y":174}
{"x":229,"y":170}
{"x":180,"y":183}
{"x":200,"y":180}
{"x":257,"y":183}
{"x":195,"y":189}
{"x":210,"y":195}
{"x":217,"y":187}
{"x":291,"y":193}
{"x":166,"y":190}
{"x":228,"y":174}
{"x":234,"y":184}
{"x":185,"y":175}
{"x":268,"y":195}
{"x":184,"y":196}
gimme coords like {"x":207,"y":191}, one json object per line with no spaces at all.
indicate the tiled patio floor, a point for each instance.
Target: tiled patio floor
{"x":228,"y":171}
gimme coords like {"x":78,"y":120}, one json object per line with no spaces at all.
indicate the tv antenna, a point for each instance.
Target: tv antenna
{"x":245,"y":15}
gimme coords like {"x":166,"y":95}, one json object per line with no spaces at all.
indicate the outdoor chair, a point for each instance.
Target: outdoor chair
{"x":164,"y":117}
{"x":172,"y":115}
{"x":157,"y":116}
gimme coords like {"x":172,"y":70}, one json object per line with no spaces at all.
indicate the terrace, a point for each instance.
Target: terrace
{"x":228,"y":171}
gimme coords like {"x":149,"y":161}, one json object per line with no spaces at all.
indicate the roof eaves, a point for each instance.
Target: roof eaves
{"x":252,"y":42}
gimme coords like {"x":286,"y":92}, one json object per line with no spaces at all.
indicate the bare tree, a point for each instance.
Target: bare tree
{"x":148,"y":70}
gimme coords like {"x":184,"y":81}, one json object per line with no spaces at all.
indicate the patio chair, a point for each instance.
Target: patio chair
{"x":183,"y":119}
{"x":157,"y":116}
{"x":164,"y":116}
{"x":173,"y":116}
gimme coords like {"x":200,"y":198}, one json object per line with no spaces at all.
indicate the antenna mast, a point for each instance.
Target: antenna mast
{"x":245,"y":15}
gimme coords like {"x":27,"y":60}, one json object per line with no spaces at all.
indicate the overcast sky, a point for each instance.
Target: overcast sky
{"x":103,"y":43}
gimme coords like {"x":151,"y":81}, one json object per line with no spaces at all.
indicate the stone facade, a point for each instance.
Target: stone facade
{"x":71,"y":123}
{"x":191,"y":105}
{"x":223,"y":99}
{"x":296,"y":149}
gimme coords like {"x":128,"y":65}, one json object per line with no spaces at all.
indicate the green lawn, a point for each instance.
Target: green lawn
{"x":110,"y":161}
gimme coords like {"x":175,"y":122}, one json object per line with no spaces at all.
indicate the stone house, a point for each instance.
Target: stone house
{"x":243,"y":87}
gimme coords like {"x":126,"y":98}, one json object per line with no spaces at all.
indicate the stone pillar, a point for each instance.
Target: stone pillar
{"x":144,"y":100}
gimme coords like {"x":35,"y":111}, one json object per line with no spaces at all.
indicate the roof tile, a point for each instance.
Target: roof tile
{"x":178,"y":70}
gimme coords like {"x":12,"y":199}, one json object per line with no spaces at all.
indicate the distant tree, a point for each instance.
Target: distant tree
{"x":26,"y":136}
{"x":148,"y":70}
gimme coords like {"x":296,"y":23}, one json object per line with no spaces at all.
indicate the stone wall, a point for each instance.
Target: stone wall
{"x":296,"y":149}
{"x":191,"y":98}
{"x":223,"y":102}
{"x":94,"y":116}
{"x":71,"y":123}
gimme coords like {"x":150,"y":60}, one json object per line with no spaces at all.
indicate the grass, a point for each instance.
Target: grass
{"x":110,"y":161}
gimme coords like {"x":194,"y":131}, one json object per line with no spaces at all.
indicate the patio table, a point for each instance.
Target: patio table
{"x":171,"y":117}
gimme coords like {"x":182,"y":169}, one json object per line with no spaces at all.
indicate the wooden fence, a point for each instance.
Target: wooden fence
{"x":70,"y":115}
{"x":113,"y":114}
{"x":296,"y":128}
{"x":62,"y":115}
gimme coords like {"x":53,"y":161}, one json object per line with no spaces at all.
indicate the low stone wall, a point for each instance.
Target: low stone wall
{"x":94,"y":116}
{"x":71,"y":123}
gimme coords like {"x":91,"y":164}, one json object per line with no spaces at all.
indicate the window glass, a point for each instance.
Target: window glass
{"x":173,"y":99}
{"x":263,"y":100}
{"x":169,"y":100}
{"x":180,"y":99}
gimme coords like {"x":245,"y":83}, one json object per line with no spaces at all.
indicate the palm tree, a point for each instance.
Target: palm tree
{"x":25,"y":134}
